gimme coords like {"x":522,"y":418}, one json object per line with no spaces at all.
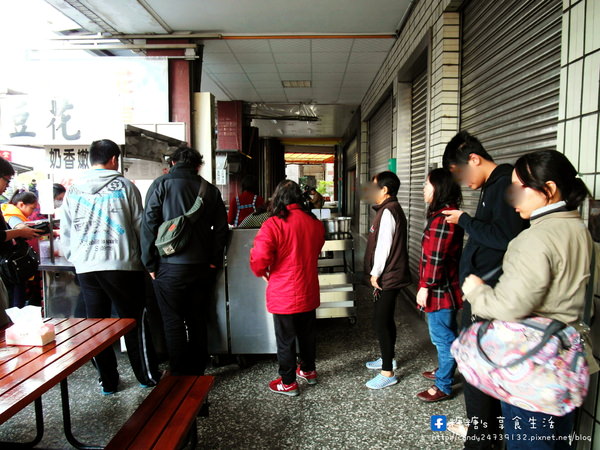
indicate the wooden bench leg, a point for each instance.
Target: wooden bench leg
{"x":204,"y":409}
{"x":194,"y":435}
{"x":193,"y":438}
{"x":39,"y":429}
{"x":66,"y":410}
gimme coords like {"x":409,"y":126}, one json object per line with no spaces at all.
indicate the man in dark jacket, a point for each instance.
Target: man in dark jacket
{"x":495,"y":224}
{"x":183,"y":281}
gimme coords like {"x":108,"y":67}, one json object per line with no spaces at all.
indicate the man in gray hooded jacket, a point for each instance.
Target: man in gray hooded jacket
{"x":100,"y":235}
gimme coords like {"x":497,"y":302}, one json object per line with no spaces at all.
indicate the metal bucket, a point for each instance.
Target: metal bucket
{"x":331,"y":226}
{"x":343,"y":224}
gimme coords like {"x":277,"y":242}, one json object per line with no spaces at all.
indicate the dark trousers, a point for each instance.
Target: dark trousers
{"x":483,"y":412}
{"x":182,"y":292}
{"x":526,"y":429}
{"x":125,"y":291}
{"x":17,"y":295}
{"x":288,"y":328}
{"x":385,"y":325}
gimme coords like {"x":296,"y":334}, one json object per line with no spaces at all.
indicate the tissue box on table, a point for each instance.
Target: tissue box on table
{"x":28,"y":328}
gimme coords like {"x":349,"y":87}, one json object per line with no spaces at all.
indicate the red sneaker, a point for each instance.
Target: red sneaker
{"x":278,"y":387}
{"x":310,"y":377}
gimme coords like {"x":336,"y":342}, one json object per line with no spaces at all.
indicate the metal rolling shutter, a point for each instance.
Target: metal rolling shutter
{"x":418,"y":159}
{"x":351,"y":154}
{"x":380,"y":141}
{"x":351,"y":163}
{"x":510,"y":77}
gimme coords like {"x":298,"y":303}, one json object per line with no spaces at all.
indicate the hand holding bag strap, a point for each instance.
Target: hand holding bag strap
{"x":554,"y":327}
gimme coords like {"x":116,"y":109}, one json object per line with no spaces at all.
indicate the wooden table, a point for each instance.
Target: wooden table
{"x":28,"y":372}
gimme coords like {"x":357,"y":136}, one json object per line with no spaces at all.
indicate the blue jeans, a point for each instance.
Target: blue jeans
{"x":443,"y":332}
{"x":526,"y":429}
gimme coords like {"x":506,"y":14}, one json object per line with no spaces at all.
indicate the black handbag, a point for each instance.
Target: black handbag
{"x":19,"y":262}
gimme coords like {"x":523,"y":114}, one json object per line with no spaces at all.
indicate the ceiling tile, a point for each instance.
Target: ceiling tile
{"x":243,"y":93}
{"x":349,"y":100}
{"x":373,"y":45}
{"x":366,"y":57}
{"x":225,"y":77}
{"x":264,"y":76}
{"x":327,"y":76}
{"x":295,"y":75}
{"x":254,"y":58}
{"x":274,"y":98}
{"x":331,"y":45}
{"x":362,"y":68}
{"x":209,"y":85}
{"x":301,"y":98}
{"x":360,"y":75}
{"x":239,"y":84}
{"x":258,"y":68}
{"x":290,"y":45}
{"x":325,"y":95}
{"x":215,"y":46}
{"x":261,"y":84}
{"x":295,"y":92}
{"x":252,"y":98}
{"x":330,"y":57}
{"x":279,"y":90}
{"x":293,"y":68}
{"x":249,"y":45}
{"x":329,"y":68}
{"x":349,"y":92}
{"x":295,"y":58}
{"x":223,"y":68}
{"x":219,"y":58}
{"x":326,"y":84}
{"x":351,"y":83}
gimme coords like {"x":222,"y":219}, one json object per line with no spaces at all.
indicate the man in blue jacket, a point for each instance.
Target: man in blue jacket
{"x":495,"y":224}
{"x":100,"y":235}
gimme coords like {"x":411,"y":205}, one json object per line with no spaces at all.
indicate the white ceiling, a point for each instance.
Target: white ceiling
{"x":340,"y":70}
{"x":250,"y":16}
{"x":251,"y":69}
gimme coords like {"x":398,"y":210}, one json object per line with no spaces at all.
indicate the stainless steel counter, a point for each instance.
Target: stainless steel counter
{"x":60,"y":263}
{"x":60,"y":288}
{"x":238,"y":321}
{"x":250,"y":325}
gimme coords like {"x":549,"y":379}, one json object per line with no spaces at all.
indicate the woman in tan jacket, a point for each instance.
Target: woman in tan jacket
{"x":546,"y":269}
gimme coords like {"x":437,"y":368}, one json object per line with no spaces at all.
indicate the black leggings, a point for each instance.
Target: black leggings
{"x":288,"y":328}
{"x":385,"y":325}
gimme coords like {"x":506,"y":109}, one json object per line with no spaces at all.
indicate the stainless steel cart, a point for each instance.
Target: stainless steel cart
{"x":336,"y":278}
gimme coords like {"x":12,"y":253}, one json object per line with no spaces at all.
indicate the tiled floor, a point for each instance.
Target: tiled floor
{"x":338,"y":412}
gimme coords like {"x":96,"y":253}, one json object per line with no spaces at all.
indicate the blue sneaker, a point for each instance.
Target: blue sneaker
{"x":381,"y":381}
{"x":108,"y":389}
{"x":376,"y":365}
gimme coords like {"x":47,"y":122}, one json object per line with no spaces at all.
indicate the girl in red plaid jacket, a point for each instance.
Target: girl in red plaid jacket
{"x":439,"y":293}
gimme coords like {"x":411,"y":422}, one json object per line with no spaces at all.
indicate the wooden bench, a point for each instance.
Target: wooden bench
{"x":27,"y":372}
{"x":166,"y":419}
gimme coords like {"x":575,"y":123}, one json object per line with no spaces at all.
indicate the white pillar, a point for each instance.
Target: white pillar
{"x":204,"y":138}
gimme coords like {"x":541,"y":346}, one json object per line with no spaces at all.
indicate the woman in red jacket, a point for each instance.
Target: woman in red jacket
{"x":285,"y":253}
{"x":439,"y":291}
